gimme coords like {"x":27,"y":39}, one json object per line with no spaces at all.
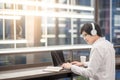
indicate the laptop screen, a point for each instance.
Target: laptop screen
{"x":57,"y":57}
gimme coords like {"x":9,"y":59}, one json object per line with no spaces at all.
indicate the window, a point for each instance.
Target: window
{"x":36,"y":23}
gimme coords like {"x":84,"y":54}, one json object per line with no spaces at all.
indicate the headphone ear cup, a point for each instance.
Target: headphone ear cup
{"x":93,"y":32}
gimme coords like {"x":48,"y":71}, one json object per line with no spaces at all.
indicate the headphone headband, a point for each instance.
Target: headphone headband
{"x":93,"y":31}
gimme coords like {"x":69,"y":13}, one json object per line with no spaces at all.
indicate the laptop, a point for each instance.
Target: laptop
{"x":57,"y":57}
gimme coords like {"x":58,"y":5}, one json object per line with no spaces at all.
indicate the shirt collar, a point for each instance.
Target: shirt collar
{"x":100,"y":39}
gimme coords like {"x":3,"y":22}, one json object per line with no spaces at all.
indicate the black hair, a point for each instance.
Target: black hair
{"x":87,"y":27}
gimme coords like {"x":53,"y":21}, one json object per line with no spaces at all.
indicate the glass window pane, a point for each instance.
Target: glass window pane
{"x":59,"y":23}
{"x":9,"y":29}
{"x":34,"y":58}
{"x":1,"y":29}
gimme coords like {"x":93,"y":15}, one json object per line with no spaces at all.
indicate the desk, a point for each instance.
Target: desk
{"x":35,"y":73}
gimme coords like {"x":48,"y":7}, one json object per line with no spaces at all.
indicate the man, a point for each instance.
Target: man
{"x":101,"y":64}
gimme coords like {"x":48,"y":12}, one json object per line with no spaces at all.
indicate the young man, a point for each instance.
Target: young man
{"x":101,"y":64}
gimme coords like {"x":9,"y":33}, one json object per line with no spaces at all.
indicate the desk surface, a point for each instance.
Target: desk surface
{"x":29,"y":73}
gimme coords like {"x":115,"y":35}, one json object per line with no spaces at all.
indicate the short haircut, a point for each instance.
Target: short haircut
{"x":87,"y":27}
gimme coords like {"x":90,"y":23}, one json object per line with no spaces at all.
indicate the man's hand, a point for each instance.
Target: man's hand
{"x":77,"y":63}
{"x":66,"y":65}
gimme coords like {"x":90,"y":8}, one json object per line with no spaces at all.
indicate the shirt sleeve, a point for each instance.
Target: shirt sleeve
{"x":93,"y":66}
{"x":85,"y":63}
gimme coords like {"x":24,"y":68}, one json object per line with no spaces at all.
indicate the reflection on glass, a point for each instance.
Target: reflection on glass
{"x":109,"y":20}
{"x":55,"y":23}
{"x":8,"y":30}
{"x":68,"y":55}
{"x":34,"y":58}
{"x":105,"y":18}
{"x":1,"y":29}
{"x":78,"y":53}
{"x":4,"y":45}
{"x":8,"y":60}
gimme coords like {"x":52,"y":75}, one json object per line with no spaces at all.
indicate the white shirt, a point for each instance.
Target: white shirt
{"x":101,"y":65}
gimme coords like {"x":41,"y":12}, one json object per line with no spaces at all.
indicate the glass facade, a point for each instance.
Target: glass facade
{"x":42,"y":23}
{"x":46,"y":23}
{"x":109,"y":20}
{"x":115,"y":21}
{"x":36,"y":23}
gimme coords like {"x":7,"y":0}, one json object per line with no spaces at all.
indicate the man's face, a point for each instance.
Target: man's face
{"x":88,"y":38}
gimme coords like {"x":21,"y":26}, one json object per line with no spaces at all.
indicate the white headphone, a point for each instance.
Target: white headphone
{"x":93,"y":31}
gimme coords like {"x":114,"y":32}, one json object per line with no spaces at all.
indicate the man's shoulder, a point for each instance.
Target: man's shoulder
{"x":103,"y":44}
